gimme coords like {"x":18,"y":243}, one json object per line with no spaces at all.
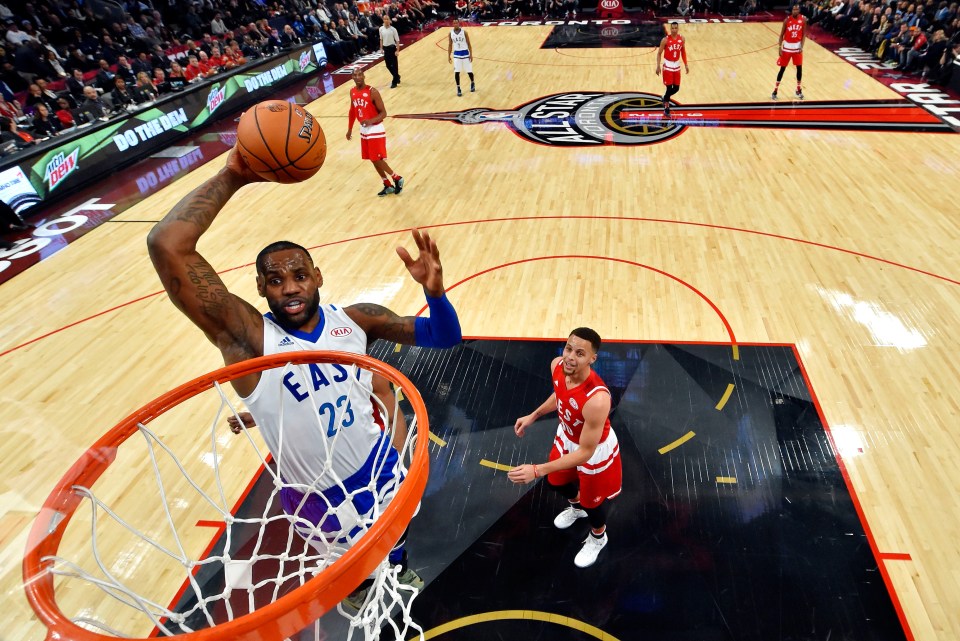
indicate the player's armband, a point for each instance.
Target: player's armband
{"x":442,"y":328}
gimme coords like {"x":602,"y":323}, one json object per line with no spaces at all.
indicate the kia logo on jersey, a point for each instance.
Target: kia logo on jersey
{"x":341,"y":331}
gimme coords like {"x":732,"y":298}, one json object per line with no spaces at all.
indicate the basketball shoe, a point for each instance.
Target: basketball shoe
{"x":459,"y":93}
{"x":386,"y":191}
{"x":799,"y":94}
{"x":587,"y":555}
{"x":568,"y":517}
{"x":398,"y":185}
{"x":473,"y":87}
{"x":773,"y":96}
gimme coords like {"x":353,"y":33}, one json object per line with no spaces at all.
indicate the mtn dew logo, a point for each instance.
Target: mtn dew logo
{"x":59,"y":167}
{"x":304,"y":60}
{"x":217,"y":95}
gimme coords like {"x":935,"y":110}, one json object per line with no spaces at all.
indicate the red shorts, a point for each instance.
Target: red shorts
{"x":787,"y":56}
{"x":670,"y":77}
{"x":600,"y":478}
{"x":373,"y":148}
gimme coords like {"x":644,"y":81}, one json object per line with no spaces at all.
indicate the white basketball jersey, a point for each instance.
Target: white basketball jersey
{"x":305,"y":410}
{"x":460,"y":47}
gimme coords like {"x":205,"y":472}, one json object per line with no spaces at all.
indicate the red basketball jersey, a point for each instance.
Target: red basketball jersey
{"x":794,"y":32}
{"x":362,"y":103}
{"x":570,"y":402}
{"x":673,"y":48}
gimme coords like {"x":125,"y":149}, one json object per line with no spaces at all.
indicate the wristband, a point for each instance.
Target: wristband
{"x":441,"y":328}
{"x":535,"y":473}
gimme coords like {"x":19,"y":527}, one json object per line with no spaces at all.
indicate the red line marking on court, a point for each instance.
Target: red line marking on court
{"x":894,"y":599}
{"x":517,"y":219}
{"x":723,"y":319}
{"x":895,"y":556}
{"x":216,"y":524}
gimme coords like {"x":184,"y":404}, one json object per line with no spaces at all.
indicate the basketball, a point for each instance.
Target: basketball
{"x":281,"y":142}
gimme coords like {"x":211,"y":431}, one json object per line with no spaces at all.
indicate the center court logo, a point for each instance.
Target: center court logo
{"x":593,"y":119}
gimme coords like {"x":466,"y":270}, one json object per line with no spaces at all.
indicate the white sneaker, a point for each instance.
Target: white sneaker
{"x":568,"y":517}
{"x":587,"y":555}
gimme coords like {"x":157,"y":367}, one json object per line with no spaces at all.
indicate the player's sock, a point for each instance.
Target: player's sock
{"x":386,"y":183}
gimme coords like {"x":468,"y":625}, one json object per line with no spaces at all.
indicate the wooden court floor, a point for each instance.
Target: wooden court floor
{"x":842,"y":243}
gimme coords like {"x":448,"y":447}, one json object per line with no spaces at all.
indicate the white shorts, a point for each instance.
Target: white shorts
{"x":462,"y":64}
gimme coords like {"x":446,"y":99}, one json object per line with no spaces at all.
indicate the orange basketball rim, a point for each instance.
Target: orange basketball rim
{"x":288,"y":614}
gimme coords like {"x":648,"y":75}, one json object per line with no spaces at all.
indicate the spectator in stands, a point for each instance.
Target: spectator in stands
{"x":124,"y":96}
{"x":146,"y":86}
{"x":11,"y":132}
{"x":158,"y":58}
{"x":359,"y":37}
{"x":234,"y":53}
{"x":289,"y":37}
{"x":109,"y":50}
{"x":75,"y":84}
{"x":93,"y":108}
{"x":105,"y":76}
{"x":16,"y":37}
{"x":125,"y":70}
{"x":249,"y":49}
{"x":909,"y":56}
{"x":77,"y":59}
{"x":163,"y":85}
{"x":13,"y":78}
{"x":10,"y":109}
{"x":192,"y":22}
{"x":54,"y":63}
{"x":194,"y":72}
{"x":136,"y":31}
{"x":218,"y":61}
{"x":177,"y":73}
{"x":36,"y":96}
{"x":142,"y":63}
{"x":948,"y":65}
{"x":45,"y":124}
{"x":65,"y":113}
{"x":930,"y":62}
{"x":217,"y":26}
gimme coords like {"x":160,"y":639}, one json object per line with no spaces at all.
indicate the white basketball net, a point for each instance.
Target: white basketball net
{"x":307,"y":551}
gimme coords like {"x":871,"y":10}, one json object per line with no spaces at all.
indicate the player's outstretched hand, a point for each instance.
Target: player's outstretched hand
{"x":245,"y":417}
{"x":522,"y":474}
{"x":426,"y":268}
{"x":520,"y":427}
{"x":236,"y":164}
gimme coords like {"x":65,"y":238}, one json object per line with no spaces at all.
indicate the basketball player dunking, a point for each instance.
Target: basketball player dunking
{"x":290,"y":282}
{"x":366,"y":105}
{"x":672,"y":48}
{"x":584,"y":465}
{"x":460,"y":53}
{"x":792,"y":36}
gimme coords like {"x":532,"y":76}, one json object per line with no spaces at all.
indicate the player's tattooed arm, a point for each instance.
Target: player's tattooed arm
{"x":379,"y":322}
{"x":191,"y":282}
